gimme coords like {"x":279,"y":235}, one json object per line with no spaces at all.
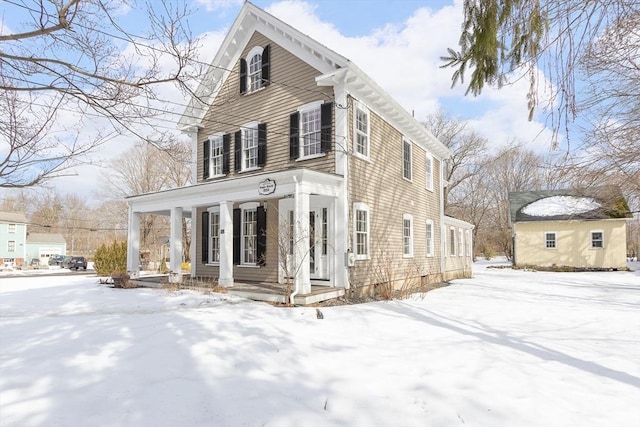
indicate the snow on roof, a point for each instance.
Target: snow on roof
{"x":561,"y":205}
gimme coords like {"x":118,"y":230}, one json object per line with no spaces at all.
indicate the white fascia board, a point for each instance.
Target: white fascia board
{"x":236,"y":189}
{"x":362,"y":87}
{"x":451,"y":221}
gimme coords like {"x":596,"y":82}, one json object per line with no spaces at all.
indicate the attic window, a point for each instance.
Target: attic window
{"x":255,"y":70}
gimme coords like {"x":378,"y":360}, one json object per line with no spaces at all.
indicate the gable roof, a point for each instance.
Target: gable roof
{"x":604,"y":202}
{"x":13,"y":217}
{"x":335,"y":69}
{"x":45,"y":238}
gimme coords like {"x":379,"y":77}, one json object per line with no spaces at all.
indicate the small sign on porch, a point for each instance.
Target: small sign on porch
{"x":268,"y":186}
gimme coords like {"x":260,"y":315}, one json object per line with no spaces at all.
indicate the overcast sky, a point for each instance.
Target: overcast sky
{"x":398,"y":43}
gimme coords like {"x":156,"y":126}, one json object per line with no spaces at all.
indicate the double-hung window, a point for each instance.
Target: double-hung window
{"x":429,"y":238}
{"x":250,"y":147}
{"x":550,"y":240}
{"x":361,"y":131}
{"x":597,"y":239}
{"x":214,"y":230}
{"x":249,"y":236}
{"x":12,"y":228}
{"x":217,"y":155}
{"x":407,"y":236}
{"x":468,"y":242}
{"x":310,"y":131}
{"x":460,"y":243}
{"x":361,"y":219}
{"x":11,"y":246}
{"x":406,"y":159}
{"x":452,"y":241}
{"x":429,"y":171}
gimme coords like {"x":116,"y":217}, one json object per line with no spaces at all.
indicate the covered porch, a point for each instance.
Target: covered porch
{"x":313,"y":200}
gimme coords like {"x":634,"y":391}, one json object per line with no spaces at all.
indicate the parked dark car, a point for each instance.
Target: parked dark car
{"x":75,"y":263}
{"x":56,"y":259}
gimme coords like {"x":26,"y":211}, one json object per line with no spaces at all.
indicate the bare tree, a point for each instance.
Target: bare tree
{"x":76,"y":57}
{"x":467,"y":147}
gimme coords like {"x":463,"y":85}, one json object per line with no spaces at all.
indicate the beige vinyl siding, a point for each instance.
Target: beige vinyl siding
{"x":379,"y":183}
{"x":266,"y":273}
{"x":573,"y":244}
{"x":293,"y":85}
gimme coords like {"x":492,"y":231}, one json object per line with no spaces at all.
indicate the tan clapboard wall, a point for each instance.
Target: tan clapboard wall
{"x":379,"y":183}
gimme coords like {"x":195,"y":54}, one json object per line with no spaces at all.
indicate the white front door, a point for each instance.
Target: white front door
{"x":318,"y":243}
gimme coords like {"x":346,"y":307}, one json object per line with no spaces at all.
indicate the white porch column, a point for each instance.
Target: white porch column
{"x":225,"y":277}
{"x":133,"y":244}
{"x":175,"y":246}
{"x":301,"y":238}
{"x":194,"y":233}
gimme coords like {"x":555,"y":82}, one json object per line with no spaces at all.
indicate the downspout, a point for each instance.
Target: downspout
{"x":296,"y":194}
{"x":443,"y":229}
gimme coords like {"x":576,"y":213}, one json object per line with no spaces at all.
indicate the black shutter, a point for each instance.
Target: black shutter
{"x":326,"y":121}
{"x":206,"y":147}
{"x":262,"y":144}
{"x":226,"y":150}
{"x":237,"y":154}
{"x":243,"y":76}
{"x":294,"y":136}
{"x":205,"y":237}
{"x":236,"y":235}
{"x":266,"y":72}
{"x":261,"y":219}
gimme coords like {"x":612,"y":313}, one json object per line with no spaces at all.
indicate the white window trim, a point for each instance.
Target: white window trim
{"x":468,"y":243}
{"x":406,"y":140}
{"x":250,"y":206}
{"x":408,"y":217}
{"x":460,"y":242}
{"x":216,"y":136}
{"x":591,"y":239}
{"x":359,"y":206}
{"x":303,"y":109}
{"x":212,"y":210}
{"x":9,"y":249}
{"x":429,"y":176}
{"x":247,"y":126}
{"x":429,"y":246}
{"x":359,"y":106}
{"x":254,"y":51}
{"x":544,"y":241}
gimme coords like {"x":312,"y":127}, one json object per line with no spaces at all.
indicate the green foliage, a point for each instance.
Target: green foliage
{"x":111,"y":259}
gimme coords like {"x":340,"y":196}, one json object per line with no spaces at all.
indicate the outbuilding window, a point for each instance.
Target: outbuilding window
{"x":550,"y":240}
{"x":597,"y":239}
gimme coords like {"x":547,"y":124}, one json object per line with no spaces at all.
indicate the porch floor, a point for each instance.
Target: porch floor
{"x":269,"y":292}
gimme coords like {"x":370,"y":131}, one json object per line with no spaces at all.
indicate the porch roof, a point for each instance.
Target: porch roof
{"x":237,"y":189}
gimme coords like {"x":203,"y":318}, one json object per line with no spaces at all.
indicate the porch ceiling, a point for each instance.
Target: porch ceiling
{"x":236,"y":189}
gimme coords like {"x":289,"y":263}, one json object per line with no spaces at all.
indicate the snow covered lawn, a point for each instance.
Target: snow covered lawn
{"x":506,"y":348}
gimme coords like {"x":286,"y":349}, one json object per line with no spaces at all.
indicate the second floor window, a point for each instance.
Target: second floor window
{"x":311,"y":131}
{"x":406,"y":159}
{"x":12,"y":228}
{"x":429,"y":172}
{"x":215,"y":156}
{"x":250,"y":147}
{"x":361,"y":132}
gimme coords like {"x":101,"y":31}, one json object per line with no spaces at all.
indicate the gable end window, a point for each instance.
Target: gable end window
{"x":255,"y":70}
{"x":597,"y":239}
{"x":406,"y":159}
{"x":310,"y":131}
{"x":361,"y":131}
{"x":550,"y":240}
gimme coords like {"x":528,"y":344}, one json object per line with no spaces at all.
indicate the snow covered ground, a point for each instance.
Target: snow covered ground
{"x":506,"y":348}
